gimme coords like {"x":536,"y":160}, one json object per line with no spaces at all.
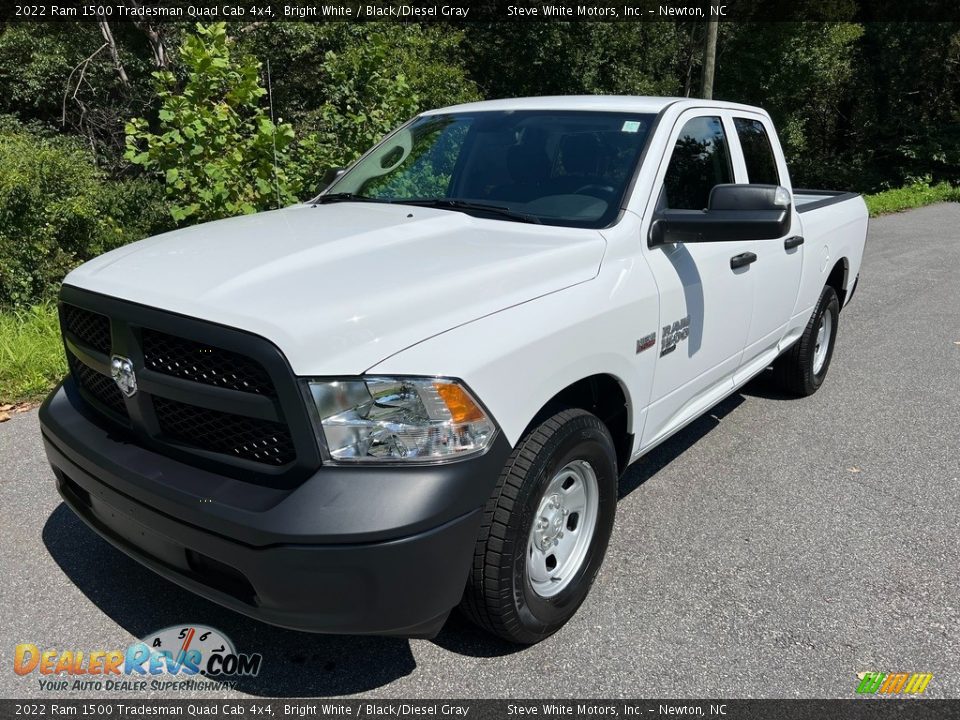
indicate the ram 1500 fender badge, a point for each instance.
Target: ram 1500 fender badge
{"x":121,"y":369}
{"x":672,"y":334}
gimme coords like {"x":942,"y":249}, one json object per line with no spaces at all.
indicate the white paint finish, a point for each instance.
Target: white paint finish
{"x":833,"y":232}
{"x":596,"y":103}
{"x":745,"y":326}
{"x":695,"y":281}
{"x":340,"y":287}
{"x":776,"y":275}
{"x":516,"y":361}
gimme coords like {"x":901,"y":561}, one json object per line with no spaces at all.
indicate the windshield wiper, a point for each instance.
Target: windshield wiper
{"x":452,"y":204}
{"x":345,"y":197}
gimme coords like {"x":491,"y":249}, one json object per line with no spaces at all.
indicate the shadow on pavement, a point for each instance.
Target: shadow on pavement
{"x":295,"y":664}
{"x":674,"y":446}
{"x":461,"y":636}
{"x":765,"y":386}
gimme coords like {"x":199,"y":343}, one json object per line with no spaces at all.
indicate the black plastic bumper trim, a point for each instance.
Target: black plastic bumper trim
{"x":401,"y":587}
{"x":350,"y":550}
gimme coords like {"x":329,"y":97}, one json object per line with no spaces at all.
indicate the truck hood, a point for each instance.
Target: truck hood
{"x":340,"y":287}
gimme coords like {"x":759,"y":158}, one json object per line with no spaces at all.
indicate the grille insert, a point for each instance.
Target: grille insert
{"x":188,"y":401}
{"x":93,"y":329}
{"x":205,"y":364}
{"x":102,"y":388}
{"x":248,"y":438}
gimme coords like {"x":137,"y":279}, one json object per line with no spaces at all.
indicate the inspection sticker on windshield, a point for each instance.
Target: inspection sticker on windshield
{"x":630,"y":126}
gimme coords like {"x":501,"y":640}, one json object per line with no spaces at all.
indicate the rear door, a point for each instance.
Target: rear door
{"x":776,"y":272}
{"x":705,"y":304}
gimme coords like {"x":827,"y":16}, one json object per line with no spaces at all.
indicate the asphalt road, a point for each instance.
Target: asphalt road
{"x":774,"y":548}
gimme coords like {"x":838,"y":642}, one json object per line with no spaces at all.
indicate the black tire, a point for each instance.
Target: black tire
{"x":499,"y":596}
{"x":794,"y":369}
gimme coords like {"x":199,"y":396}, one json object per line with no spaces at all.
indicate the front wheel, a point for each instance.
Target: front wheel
{"x":802,"y":368}
{"x":545,"y":529}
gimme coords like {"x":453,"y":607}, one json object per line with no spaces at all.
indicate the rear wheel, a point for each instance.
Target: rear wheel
{"x":545,"y":529}
{"x":802,"y":368}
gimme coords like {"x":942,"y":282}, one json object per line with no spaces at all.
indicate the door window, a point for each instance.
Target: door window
{"x":700,"y":160}
{"x":757,"y":152}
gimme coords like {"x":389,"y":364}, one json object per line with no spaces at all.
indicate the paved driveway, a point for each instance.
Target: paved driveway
{"x":774,"y":548}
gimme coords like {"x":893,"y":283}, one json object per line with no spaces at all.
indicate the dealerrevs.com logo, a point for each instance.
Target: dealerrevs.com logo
{"x":878,"y":683}
{"x":170,"y":659}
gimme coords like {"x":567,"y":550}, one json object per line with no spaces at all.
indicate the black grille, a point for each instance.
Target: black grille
{"x":204,"y":364}
{"x":102,"y":388}
{"x":93,"y":329}
{"x":261,"y":441}
{"x":185,"y":367}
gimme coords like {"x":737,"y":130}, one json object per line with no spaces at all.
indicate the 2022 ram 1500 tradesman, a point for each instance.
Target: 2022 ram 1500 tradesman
{"x":420,"y":388}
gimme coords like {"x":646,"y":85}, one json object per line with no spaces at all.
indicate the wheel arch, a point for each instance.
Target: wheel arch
{"x":838,"y":278}
{"x":605,"y":396}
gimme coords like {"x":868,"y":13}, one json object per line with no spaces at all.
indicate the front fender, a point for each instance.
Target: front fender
{"x":516,"y":360}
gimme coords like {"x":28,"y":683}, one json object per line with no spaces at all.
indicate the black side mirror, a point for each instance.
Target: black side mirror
{"x":329,"y":176}
{"x":734,"y":212}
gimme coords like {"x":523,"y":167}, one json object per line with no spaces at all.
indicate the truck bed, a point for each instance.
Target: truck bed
{"x":806,"y":200}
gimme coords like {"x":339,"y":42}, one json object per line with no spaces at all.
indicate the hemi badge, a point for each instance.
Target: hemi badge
{"x":646,"y":342}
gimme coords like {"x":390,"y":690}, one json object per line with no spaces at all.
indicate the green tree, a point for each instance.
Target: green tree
{"x":905,"y":123}
{"x":802,"y":74}
{"x":218,"y":150}
{"x":363,"y":103}
{"x":560,"y":58}
{"x":62,"y":75}
{"x":346,"y":85}
{"x":57,"y":209}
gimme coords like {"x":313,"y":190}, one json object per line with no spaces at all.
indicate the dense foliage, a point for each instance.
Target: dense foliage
{"x":57,"y":208}
{"x":219,"y":152}
{"x":122,"y":129}
{"x":344,"y":85}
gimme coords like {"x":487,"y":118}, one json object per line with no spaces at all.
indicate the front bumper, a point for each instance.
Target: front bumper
{"x":356,"y":550}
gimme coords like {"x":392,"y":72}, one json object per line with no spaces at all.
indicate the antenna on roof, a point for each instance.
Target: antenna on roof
{"x":276,"y":177}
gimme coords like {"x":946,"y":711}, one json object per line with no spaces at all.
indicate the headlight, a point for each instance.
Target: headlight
{"x":400,"y":418}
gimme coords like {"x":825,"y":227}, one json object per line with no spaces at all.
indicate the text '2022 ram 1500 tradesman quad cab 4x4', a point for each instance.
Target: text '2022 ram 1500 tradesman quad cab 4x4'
{"x":420,"y":388}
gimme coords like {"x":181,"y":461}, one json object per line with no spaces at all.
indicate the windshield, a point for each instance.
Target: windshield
{"x":558,"y":168}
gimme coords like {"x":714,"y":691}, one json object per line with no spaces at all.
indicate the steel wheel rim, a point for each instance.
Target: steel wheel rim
{"x":562,"y":528}
{"x":823,"y":341}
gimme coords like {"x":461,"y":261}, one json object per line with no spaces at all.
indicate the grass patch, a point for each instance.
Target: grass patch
{"x":31,"y":353}
{"x":916,"y":195}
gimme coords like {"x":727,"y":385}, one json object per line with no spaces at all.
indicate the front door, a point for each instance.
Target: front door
{"x":705,"y":304}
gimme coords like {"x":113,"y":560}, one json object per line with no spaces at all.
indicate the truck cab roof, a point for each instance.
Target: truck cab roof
{"x":595,"y":103}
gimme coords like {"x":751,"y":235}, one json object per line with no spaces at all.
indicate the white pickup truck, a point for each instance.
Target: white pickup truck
{"x":420,"y":389}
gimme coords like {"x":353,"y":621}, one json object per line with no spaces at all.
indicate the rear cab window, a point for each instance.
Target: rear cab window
{"x":757,"y":152}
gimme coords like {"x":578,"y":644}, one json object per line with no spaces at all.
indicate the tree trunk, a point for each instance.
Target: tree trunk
{"x":155,"y":40}
{"x":691,"y":60}
{"x":710,"y":55}
{"x":156,"y":45}
{"x":112,"y":44}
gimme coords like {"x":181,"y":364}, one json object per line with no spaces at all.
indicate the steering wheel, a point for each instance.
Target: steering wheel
{"x":603,"y":192}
